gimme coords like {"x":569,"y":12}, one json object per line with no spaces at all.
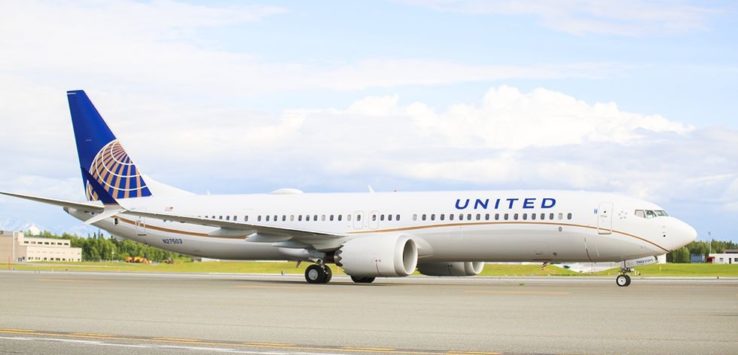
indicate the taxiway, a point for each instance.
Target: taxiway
{"x":59,"y":312}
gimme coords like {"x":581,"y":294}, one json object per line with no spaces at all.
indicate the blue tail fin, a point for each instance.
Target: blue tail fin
{"x":101,"y":156}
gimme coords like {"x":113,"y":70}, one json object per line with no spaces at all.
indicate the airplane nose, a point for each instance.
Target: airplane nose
{"x":685,"y":233}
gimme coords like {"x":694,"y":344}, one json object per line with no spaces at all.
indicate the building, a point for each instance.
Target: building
{"x":16,"y":247}
{"x":697,"y":258}
{"x":729,"y":256}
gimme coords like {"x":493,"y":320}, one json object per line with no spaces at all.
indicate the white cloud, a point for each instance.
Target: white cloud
{"x":159,"y":47}
{"x":629,"y":17}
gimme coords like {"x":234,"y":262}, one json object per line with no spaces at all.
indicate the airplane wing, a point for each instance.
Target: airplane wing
{"x":284,"y":237}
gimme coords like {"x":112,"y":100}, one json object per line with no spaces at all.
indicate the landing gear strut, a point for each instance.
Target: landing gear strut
{"x":623,"y":280}
{"x":318,"y":274}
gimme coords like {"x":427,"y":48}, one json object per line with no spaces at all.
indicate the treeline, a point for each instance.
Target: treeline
{"x":684,"y":254}
{"x":98,"y":247}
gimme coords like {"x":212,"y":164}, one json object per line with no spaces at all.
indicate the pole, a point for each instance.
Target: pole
{"x":709,"y":236}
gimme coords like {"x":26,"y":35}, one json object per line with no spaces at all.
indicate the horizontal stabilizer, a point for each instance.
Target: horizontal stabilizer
{"x":83,"y":206}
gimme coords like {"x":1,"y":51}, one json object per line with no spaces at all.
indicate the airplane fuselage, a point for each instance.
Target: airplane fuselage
{"x":547,"y":226}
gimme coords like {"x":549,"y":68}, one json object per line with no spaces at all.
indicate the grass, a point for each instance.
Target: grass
{"x":255,"y":267}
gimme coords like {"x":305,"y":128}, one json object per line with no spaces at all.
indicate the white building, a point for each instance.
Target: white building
{"x":730,"y":256}
{"x":16,"y":247}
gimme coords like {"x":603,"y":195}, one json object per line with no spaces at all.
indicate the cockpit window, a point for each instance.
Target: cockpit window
{"x":651,"y":213}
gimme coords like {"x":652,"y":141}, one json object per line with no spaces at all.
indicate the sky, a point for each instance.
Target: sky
{"x":633,"y":97}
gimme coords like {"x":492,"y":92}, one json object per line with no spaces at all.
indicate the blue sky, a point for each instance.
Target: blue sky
{"x":635,"y":97}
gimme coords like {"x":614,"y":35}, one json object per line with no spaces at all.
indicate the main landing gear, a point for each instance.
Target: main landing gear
{"x":623,"y":280}
{"x":318,"y":274}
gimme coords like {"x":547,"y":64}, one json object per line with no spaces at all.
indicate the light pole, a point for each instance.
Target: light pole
{"x":709,"y":243}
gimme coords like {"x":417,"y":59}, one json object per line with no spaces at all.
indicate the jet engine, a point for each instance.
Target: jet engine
{"x":459,"y":268}
{"x":372,"y":256}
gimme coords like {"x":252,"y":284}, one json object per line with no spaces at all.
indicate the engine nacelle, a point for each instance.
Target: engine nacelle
{"x":459,"y":268}
{"x":373,"y":256}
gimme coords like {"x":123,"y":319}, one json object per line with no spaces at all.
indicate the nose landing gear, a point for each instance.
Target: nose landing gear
{"x":623,"y":280}
{"x":318,"y":274}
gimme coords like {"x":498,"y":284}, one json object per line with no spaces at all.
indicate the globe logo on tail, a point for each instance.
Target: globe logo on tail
{"x":116,"y":173}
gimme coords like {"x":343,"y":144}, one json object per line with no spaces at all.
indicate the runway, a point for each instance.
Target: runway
{"x":92,"y":313}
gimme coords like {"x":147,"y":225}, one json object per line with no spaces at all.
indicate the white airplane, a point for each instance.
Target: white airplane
{"x":368,"y":234}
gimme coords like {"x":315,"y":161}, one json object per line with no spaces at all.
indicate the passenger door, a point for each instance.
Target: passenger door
{"x":140,"y":227}
{"x":604,"y":218}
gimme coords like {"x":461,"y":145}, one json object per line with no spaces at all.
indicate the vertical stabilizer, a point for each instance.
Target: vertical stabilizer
{"x":101,"y":156}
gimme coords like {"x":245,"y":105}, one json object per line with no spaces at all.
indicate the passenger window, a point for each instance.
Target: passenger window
{"x":245,"y":218}
{"x":331,"y":218}
{"x":551,"y":216}
{"x":433,"y":217}
{"x":358,"y":218}
{"x":397,"y":218}
{"x":497,"y":216}
{"x":340,"y":216}
{"x":284,"y":218}
{"x":415,"y":217}
{"x":451,"y":217}
{"x":258,"y":219}
{"x":322,"y":218}
{"x":389,"y":217}
{"x":507,"y":216}
{"x":543,"y":216}
{"x":486,"y":216}
{"x":267,"y":218}
{"x":292,"y":218}
{"x":299,"y":218}
{"x":561,"y":216}
{"x":381,"y":217}
{"x":276,"y":218}
{"x":442,"y":216}
{"x":525,"y":216}
{"x":469,"y":217}
{"x":479,"y":216}
{"x":515,"y":216}
{"x":228,"y":218}
{"x":423,"y":218}
{"x":569,"y":216}
{"x":461,"y":216}
{"x":533,"y":216}
{"x":374,"y":218}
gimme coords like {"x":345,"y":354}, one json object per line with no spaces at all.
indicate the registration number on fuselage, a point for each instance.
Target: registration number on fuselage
{"x":172,"y":241}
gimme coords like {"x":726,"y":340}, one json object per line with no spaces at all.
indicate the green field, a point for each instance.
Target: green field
{"x":251,"y":267}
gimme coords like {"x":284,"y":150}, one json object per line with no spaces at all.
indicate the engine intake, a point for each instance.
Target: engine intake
{"x":459,"y":268}
{"x":372,"y":256}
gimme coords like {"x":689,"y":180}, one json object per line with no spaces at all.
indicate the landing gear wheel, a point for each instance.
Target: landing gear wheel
{"x":362,"y":280}
{"x":328,"y":274}
{"x":315,"y":274}
{"x":622,"y":280}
